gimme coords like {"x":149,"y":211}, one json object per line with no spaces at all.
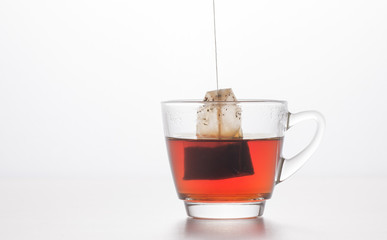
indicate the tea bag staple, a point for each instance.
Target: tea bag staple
{"x":219,"y":118}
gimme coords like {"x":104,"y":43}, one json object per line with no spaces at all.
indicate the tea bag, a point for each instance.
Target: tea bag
{"x":219,"y":120}
{"x":226,"y":157}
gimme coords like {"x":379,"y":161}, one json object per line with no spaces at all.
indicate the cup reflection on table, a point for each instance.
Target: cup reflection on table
{"x":225,"y":229}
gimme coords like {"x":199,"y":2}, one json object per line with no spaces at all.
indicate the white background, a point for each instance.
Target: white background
{"x":81,"y":81}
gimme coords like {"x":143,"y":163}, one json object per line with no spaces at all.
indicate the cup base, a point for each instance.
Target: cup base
{"x":233,"y":210}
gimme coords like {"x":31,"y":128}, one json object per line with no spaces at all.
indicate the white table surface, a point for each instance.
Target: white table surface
{"x":136,"y":208}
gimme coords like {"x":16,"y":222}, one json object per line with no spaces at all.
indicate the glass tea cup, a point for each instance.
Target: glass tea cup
{"x":228,"y":178}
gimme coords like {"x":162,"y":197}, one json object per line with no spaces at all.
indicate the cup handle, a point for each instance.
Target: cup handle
{"x":289,"y":166}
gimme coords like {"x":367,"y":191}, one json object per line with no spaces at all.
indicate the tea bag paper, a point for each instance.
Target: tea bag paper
{"x":219,"y":120}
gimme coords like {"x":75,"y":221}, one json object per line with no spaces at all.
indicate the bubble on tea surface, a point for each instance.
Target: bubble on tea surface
{"x":220,"y":117}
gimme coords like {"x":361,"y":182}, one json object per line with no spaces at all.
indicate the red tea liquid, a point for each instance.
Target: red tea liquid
{"x":224,"y":170}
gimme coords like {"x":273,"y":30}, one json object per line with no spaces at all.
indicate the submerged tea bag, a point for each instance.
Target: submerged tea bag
{"x":220,"y":119}
{"x":228,"y":160}
{"x":227,"y":156}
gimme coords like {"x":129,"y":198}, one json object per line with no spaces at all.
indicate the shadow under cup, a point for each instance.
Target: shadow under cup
{"x":222,"y":178}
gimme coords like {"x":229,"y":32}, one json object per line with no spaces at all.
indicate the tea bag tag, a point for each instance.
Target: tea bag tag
{"x":219,"y":118}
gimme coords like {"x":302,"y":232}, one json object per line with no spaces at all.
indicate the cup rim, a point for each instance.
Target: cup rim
{"x":238,"y":101}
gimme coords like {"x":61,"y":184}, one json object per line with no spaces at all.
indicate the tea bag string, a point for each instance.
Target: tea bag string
{"x":216,"y":49}
{"x":216,"y":70}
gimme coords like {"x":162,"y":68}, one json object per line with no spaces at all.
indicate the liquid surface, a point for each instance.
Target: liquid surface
{"x":224,"y":170}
